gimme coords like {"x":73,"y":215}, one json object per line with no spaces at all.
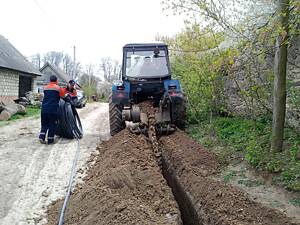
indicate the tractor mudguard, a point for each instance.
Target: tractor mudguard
{"x":172,"y":86}
{"x":177,"y":100}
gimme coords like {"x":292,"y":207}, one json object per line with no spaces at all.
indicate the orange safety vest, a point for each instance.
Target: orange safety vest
{"x":65,"y":91}
{"x":52,"y":94}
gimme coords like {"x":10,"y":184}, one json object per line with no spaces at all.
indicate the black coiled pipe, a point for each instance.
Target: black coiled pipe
{"x":69,"y":124}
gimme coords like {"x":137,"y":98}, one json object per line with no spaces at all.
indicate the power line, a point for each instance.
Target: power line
{"x":40,"y":7}
{"x":192,"y":50}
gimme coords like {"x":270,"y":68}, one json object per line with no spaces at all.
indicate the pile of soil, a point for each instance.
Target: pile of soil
{"x":125,"y":186}
{"x":214,"y":202}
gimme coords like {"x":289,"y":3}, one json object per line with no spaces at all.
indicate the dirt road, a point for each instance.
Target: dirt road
{"x":33,"y":175}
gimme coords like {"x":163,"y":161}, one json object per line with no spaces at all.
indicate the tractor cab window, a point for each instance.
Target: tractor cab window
{"x":141,"y":64}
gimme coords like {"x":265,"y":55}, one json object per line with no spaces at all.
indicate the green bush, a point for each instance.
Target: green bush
{"x":290,"y":176}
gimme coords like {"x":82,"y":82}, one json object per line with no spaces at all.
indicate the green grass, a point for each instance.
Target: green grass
{"x":229,"y":176}
{"x":31,"y":111}
{"x":295,"y":202}
{"x":237,"y":138}
{"x":103,"y":99}
{"x":250,"y":183}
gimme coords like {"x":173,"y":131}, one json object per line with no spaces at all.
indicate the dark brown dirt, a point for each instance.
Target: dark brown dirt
{"x":215,"y":202}
{"x":125,"y":186}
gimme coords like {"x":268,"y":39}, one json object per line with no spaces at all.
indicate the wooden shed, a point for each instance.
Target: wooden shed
{"x":47,"y":70}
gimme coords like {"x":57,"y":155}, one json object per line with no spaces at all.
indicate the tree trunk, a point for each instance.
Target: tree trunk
{"x":280,"y":64}
{"x":8,"y":110}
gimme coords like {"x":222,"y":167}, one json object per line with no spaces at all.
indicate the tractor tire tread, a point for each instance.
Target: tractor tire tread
{"x":115,"y":118}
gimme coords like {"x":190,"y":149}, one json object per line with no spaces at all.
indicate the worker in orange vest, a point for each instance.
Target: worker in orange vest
{"x":70,"y":91}
{"x":49,"y":112}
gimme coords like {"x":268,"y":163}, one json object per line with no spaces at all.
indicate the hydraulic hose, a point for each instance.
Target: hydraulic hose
{"x":73,"y":173}
{"x":69,"y":124}
{"x":69,"y":127}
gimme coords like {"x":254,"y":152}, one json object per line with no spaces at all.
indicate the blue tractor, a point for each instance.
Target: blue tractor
{"x":146,"y":76}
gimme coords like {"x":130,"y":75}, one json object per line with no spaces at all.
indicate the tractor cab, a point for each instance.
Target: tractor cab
{"x":145,"y":67}
{"x":145,"y":62}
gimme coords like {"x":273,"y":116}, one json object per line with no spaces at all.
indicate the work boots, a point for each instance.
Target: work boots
{"x":50,"y":141}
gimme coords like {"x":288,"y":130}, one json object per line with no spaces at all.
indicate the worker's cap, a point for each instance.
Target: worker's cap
{"x":53,"y":78}
{"x":72,"y":82}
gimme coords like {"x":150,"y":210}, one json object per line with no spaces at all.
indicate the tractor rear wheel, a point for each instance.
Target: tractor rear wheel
{"x":178,"y":112}
{"x":115,"y":118}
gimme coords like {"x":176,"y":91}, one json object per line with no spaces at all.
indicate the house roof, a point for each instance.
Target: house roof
{"x":62,"y":75}
{"x":11,"y":58}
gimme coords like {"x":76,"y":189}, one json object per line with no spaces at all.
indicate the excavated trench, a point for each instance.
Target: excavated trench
{"x":187,"y":210}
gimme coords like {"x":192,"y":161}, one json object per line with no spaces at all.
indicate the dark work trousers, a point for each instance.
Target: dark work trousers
{"x":48,"y":122}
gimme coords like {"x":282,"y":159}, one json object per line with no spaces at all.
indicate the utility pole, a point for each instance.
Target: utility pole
{"x":74,"y":64}
{"x":39,"y":59}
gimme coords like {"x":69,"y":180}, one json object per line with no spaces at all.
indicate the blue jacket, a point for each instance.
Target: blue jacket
{"x":52,"y":93}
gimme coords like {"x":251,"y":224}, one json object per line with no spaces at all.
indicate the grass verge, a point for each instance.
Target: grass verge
{"x":31,"y":111}
{"x":236,"y":138}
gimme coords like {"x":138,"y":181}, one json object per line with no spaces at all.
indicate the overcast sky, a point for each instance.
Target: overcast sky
{"x":98,"y":28}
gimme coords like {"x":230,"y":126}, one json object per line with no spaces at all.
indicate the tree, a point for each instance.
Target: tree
{"x":78,"y":71}
{"x":68,"y":64}
{"x":238,"y":19}
{"x":255,"y":29}
{"x":60,"y":60}
{"x":196,"y":64}
{"x":89,"y":82}
{"x":110,"y":69}
{"x":90,"y":72}
{"x":68,"y":67}
{"x":36,"y":60}
{"x":280,"y":64}
{"x":54,"y":58}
